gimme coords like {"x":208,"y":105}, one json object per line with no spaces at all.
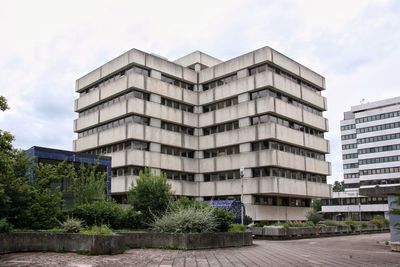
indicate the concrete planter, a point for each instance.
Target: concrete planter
{"x":304,"y":232}
{"x":186,"y":241}
{"x":395,"y":246}
{"x":87,"y":244}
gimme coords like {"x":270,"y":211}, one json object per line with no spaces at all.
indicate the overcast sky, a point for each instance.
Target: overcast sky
{"x":46,"y":45}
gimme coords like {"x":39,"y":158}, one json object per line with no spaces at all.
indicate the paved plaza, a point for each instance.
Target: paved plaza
{"x":364,"y":250}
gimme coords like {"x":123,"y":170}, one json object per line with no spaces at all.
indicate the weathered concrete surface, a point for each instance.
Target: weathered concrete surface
{"x":362,"y":250}
{"x":318,"y":231}
{"x":187,"y":241}
{"x":88,"y":244}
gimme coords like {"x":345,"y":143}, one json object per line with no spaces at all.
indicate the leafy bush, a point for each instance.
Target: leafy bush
{"x":247,"y":220}
{"x":107,"y":212}
{"x":72,"y":225}
{"x":186,"y":220}
{"x":379,"y":221}
{"x":5,"y":227}
{"x":98,"y":230}
{"x":224,"y":219}
{"x":237,"y":228}
{"x":293,"y":224}
{"x":314,"y":217}
{"x":351,"y":224}
{"x":151,"y":195}
{"x":332,"y":223}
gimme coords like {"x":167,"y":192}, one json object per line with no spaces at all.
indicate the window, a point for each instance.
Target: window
{"x":219,"y":82}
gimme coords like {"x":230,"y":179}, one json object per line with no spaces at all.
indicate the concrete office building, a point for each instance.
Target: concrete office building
{"x":371,"y":156}
{"x":199,"y":119}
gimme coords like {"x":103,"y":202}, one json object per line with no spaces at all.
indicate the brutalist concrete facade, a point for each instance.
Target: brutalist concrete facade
{"x":199,"y":119}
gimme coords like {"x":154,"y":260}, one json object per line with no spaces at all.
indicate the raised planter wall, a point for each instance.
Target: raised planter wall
{"x":115,"y":244}
{"x":305,"y":232}
{"x":87,"y":244}
{"x":187,"y":241}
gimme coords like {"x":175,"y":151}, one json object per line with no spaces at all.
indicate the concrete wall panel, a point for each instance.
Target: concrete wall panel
{"x":89,"y":78}
{"x":285,"y":62}
{"x":114,"y":65}
{"x":114,"y":87}
{"x":88,"y":99}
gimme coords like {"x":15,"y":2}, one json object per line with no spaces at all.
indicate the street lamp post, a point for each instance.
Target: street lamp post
{"x":241,"y":195}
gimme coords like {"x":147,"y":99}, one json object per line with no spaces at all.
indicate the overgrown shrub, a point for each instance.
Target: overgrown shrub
{"x":98,"y":230}
{"x":293,"y":224}
{"x":314,"y":216}
{"x":107,"y":212}
{"x":237,"y":228}
{"x":151,"y":195}
{"x":186,"y":220}
{"x":71,"y":225}
{"x":379,"y":221}
{"x":332,"y":223}
{"x":247,"y":220}
{"x":351,"y":224}
{"x":224,"y":219}
{"x":5,"y":227}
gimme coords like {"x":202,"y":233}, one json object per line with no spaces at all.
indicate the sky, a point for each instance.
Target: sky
{"x":46,"y":45}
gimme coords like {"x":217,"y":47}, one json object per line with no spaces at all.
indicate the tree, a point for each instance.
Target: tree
{"x":3,"y":103}
{"x":151,"y":195}
{"x":87,"y":183}
{"x":316,"y":204}
{"x":338,"y":186}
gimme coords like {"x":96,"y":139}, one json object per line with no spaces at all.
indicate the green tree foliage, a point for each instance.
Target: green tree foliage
{"x":151,"y":195}
{"x":338,"y":186}
{"x":87,"y":183}
{"x":314,"y":217}
{"x":316,"y":204}
{"x":3,"y":103}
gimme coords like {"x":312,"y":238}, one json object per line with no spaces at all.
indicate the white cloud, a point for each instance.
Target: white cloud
{"x":46,"y":45}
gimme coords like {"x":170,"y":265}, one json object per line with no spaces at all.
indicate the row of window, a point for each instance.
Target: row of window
{"x":378,"y":138}
{"x":179,"y":176}
{"x":381,"y":181}
{"x":261,"y":145}
{"x":379,"y":160}
{"x":349,"y":146}
{"x":220,"y":82}
{"x":176,"y":105}
{"x":131,"y":94}
{"x":378,"y":117}
{"x":221,"y":176}
{"x":176,"y":82}
{"x":177,"y":151}
{"x":348,"y":127}
{"x":349,"y":136}
{"x":117,"y":76}
{"x":286,"y":123}
{"x":352,"y":185}
{"x":351,"y":175}
{"x":286,"y":99}
{"x":126,"y":171}
{"x":379,"y":127}
{"x":281,"y":201}
{"x":126,"y":145}
{"x":222,"y":151}
{"x":291,"y":174}
{"x":354,"y":201}
{"x":224,"y":127}
{"x":221,"y":104}
{"x":380,"y":171}
{"x":350,"y":156}
{"x":379,"y":149}
{"x":116,"y":123}
{"x":177,"y":128}
{"x":274,"y":69}
{"x":350,"y":166}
